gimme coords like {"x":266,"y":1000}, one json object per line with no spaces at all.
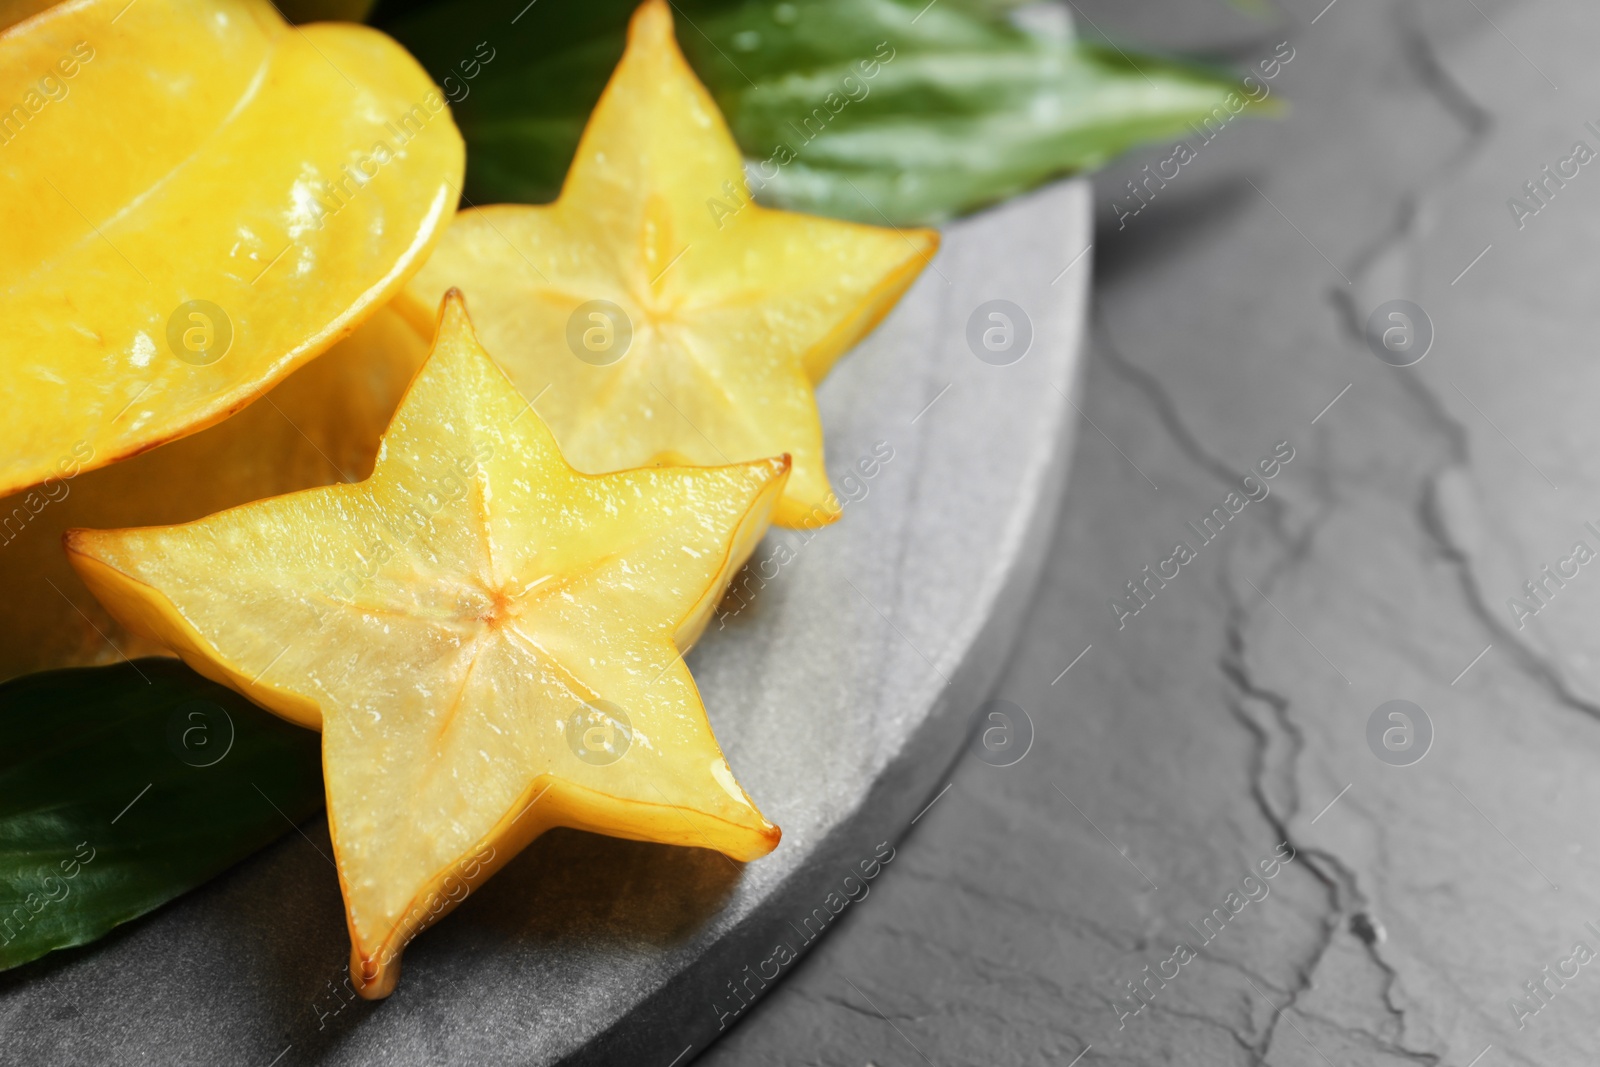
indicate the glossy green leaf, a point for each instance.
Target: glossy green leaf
{"x":123,"y":787}
{"x":876,"y":110}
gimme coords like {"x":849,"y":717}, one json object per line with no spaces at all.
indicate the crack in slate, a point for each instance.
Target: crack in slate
{"x":1339,"y":882}
{"x":1477,"y":122}
{"x":1166,"y":411}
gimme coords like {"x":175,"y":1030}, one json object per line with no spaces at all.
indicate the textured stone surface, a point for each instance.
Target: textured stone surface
{"x":839,"y":690}
{"x":1227,"y":715}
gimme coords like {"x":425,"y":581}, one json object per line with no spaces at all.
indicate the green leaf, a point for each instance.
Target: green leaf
{"x":123,"y":787}
{"x":877,"y":110}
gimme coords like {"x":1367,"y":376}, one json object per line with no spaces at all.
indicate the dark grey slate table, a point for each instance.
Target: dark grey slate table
{"x":1227,"y":723}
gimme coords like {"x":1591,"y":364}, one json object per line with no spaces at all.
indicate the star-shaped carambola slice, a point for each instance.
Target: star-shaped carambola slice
{"x":662,"y":315}
{"x":491,"y":641}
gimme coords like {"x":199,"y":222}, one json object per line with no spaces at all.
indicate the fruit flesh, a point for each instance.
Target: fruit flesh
{"x":446,"y":620}
{"x":319,"y":425}
{"x":176,"y":163}
{"x":736,"y":310}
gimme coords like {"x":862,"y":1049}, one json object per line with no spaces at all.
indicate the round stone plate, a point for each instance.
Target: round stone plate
{"x":841,"y":678}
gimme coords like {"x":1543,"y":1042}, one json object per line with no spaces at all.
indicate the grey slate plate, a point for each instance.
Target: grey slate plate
{"x":841,"y":680}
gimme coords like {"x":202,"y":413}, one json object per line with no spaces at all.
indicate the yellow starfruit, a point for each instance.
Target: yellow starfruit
{"x":319,"y":425}
{"x":661,"y":315}
{"x":195,"y":199}
{"x":490,"y":641}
